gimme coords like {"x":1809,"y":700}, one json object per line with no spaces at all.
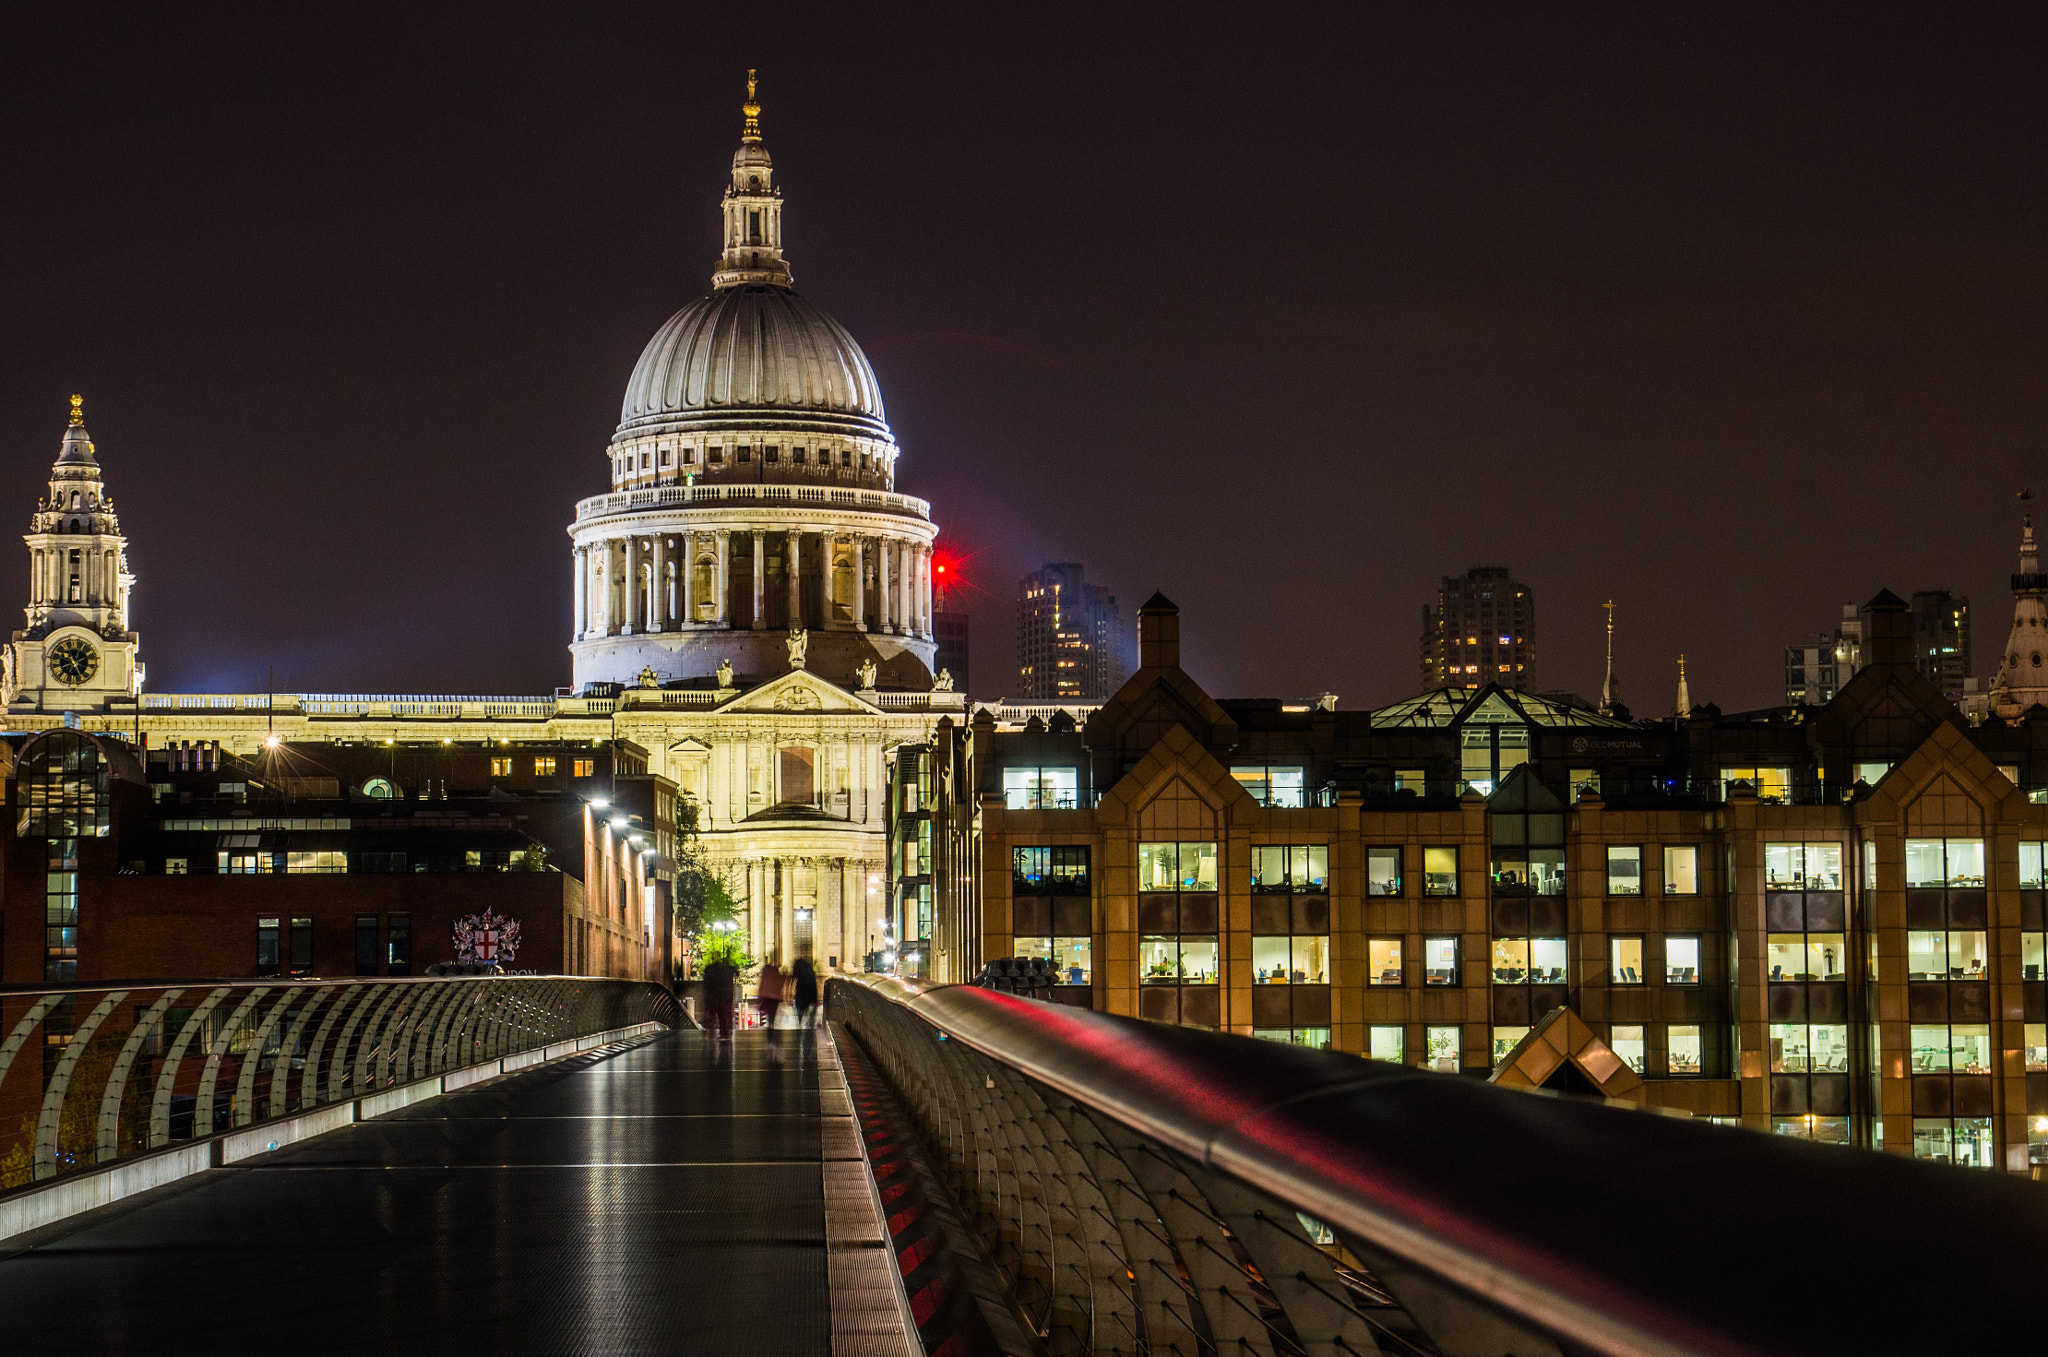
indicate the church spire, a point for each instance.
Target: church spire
{"x":753,"y":211}
{"x":1610,"y":691}
{"x":1684,"y":705}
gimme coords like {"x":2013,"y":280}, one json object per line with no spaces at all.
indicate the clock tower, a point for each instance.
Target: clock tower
{"x":77,"y":651}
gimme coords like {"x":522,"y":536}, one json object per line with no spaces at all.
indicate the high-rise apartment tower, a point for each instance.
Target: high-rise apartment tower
{"x":1480,"y":630}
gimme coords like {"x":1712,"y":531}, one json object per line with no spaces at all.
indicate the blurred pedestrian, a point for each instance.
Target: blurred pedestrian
{"x":721,"y":997}
{"x":804,"y":990}
{"x":768,"y":997}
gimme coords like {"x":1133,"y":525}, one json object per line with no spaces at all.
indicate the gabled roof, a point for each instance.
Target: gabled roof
{"x":1490,"y":705}
{"x":1561,"y":1041}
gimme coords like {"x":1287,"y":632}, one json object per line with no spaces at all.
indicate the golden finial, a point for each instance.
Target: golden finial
{"x":752,"y":109}
{"x":77,"y":412}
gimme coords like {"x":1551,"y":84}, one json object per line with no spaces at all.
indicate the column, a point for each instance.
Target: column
{"x":657,"y":578}
{"x":721,"y":583}
{"x":579,"y":560}
{"x":793,"y":560}
{"x":601,"y":588}
{"x":883,"y":612}
{"x":904,"y":623}
{"x":629,"y":596}
{"x":860,"y":583}
{"x":760,"y":581}
{"x":930,"y":628}
{"x":785,"y":941}
{"x":686,"y":581}
{"x":757,"y":905}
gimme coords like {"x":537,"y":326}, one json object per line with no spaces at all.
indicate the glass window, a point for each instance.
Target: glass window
{"x":1504,"y":1039}
{"x":1383,"y":871}
{"x":1270,"y":960}
{"x":1965,"y":1141}
{"x":1440,"y":871}
{"x":1826,"y":1130}
{"x":1386,"y":1043}
{"x":1969,"y":1048}
{"x":1924,"y":864}
{"x":1546,"y":961}
{"x":1681,"y":961}
{"x":1788,"y":1048}
{"x":1071,"y":958}
{"x":1285,"y":787}
{"x":1771,"y":784}
{"x":1041,"y":788}
{"x":398,"y":945}
{"x":1926,"y":955}
{"x":1627,"y":1042}
{"x":1929,"y":1046}
{"x":1873,"y":773}
{"x":366,"y":944}
{"x":267,"y":944}
{"x":1442,"y":1043}
{"x":1965,"y":861}
{"x":2033,"y":956}
{"x":1159,"y":960}
{"x":1311,"y":964}
{"x":1624,"y":870}
{"x":1176,"y":866}
{"x":1299,"y":868}
{"x":1967,"y":957}
{"x":1383,"y":961}
{"x":1510,"y":961}
{"x":1681,"y":869}
{"x":1198,"y":960}
{"x":2037,"y":1047}
{"x":2032,"y":876}
{"x":1624,"y":961}
{"x":1439,"y":961}
{"x":1682,"y":1049}
{"x":1410,"y":780}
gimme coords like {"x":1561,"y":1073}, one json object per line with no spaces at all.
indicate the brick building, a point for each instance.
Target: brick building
{"x":331,"y":860}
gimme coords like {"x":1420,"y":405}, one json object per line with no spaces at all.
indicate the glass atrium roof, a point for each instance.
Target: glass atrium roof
{"x":1441,"y":708}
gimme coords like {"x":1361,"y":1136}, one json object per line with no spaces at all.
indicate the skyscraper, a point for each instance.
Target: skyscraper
{"x":1941,"y":639}
{"x":1481,"y":629}
{"x":1071,"y":642}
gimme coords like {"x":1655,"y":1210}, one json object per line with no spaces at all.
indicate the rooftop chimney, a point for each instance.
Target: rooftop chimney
{"x":1158,"y":634}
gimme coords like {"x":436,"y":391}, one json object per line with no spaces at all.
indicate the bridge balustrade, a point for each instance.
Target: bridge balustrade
{"x":91,"y":1074}
{"x":1147,"y":1188}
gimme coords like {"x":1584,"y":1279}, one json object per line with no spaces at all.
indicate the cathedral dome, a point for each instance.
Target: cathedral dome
{"x":752,"y":349}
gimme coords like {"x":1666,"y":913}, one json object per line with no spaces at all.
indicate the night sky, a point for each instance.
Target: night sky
{"x":1731,"y":317}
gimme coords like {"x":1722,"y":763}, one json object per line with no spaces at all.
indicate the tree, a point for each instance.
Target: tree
{"x":701,"y":897}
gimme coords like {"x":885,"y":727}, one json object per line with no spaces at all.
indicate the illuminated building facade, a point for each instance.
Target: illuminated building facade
{"x":1072,"y":645}
{"x":77,"y":651}
{"x":752,"y":607}
{"x":1480,"y":630}
{"x":1829,"y":923}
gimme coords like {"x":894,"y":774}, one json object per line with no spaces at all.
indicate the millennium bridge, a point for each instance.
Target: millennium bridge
{"x":535,"y":1164}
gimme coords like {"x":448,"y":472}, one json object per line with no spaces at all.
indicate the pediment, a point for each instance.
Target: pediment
{"x":689,"y":744}
{"x":797,"y":693}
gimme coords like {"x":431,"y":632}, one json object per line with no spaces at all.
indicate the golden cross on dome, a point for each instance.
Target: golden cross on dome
{"x":752,"y":109}
{"x":77,"y":412}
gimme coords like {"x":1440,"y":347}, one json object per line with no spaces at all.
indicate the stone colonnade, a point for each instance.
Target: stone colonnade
{"x":672,"y":581}
{"x":821,"y":907}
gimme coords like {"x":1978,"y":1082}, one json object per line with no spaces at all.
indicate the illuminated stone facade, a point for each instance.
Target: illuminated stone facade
{"x":752,"y":606}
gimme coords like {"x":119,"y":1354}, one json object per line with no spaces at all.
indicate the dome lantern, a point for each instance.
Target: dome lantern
{"x":753,"y":212}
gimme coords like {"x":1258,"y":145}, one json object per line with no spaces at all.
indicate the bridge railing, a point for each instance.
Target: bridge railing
{"x":92,"y":1074}
{"x":1141,"y":1187}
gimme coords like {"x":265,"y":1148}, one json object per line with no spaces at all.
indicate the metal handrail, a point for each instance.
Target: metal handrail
{"x":1566,"y":1224}
{"x":92,"y":1073}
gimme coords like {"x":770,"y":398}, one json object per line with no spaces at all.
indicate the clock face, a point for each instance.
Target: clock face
{"x":73,"y":661}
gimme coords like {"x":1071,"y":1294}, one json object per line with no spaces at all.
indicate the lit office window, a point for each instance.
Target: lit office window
{"x":1681,"y":869}
{"x":1386,"y":1043}
{"x":1442,"y":1045}
{"x":1624,"y":870}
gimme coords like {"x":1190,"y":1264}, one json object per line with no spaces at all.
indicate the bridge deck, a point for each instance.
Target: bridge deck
{"x":643,"y":1198}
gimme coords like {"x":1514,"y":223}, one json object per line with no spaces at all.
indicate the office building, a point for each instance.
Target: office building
{"x":1071,"y":641}
{"x":1941,"y":640}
